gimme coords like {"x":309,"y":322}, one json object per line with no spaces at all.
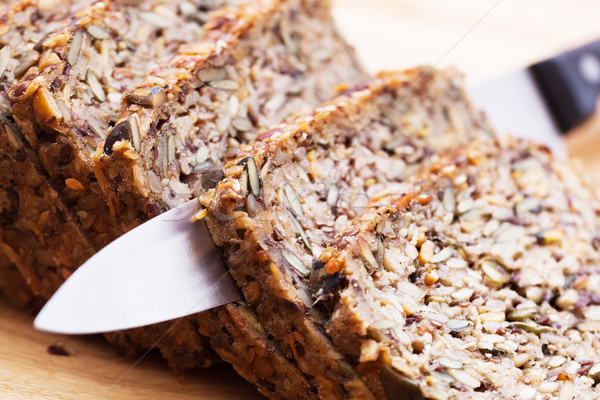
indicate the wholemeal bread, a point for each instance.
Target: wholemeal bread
{"x":289,"y":194}
{"x":479,"y":282}
{"x":34,"y":222}
{"x":258,"y":63}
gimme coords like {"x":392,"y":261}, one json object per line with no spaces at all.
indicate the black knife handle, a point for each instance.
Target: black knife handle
{"x":570,"y":84}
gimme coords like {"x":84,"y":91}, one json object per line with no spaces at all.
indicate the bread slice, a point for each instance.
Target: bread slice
{"x":288,"y":194}
{"x":34,"y":223}
{"x":480,"y":282}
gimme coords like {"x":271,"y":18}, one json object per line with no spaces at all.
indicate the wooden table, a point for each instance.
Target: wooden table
{"x":388,"y":34}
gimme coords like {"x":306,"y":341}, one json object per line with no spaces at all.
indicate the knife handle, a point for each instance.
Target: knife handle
{"x":570,"y":83}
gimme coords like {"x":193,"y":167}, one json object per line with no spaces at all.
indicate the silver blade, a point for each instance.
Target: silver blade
{"x":166,"y":268}
{"x":514,"y":106}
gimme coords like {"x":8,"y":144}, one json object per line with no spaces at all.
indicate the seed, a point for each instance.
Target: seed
{"x":556,"y":361}
{"x":97,"y":32}
{"x":589,"y":326}
{"x":431,"y":278}
{"x":465,"y":205}
{"x":567,"y":299}
{"x":4,"y":57}
{"x":253,"y":206}
{"x":224,"y":84}
{"x":492,"y":316}
{"x":490,"y":227}
{"x":594,"y":372}
{"x":384,"y":324}
{"x":244,"y":183}
{"x":523,"y":314}
{"x":156,"y":20}
{"x":96,"y":87}
{"x":528,"y":205}
{"x":163,"y":151}
{"x":434,"y":299}
{"x":172,"y":149}
{"x":135,"y":134}
{"x":122,"y":131}
{"x":549,"y":236}
{"x":528,"y":393}
{"x":367,"y":255}
{"x":462,"y":294}
{"x":305,"y":297}
{"x":44,"y":105}
{"x":293,"y":199}
{"x":495,"y":272}
{"x":457,"y":325}
{"x":148,"y":97}
{"x":202,"y":154}
{"x":380,"y":252}
{"x":426,"y":252}
{"x":212,"y":74}
{"x":253,"y":179}
{"x":411,"y":251}
{"x":443,"y":255}
{"x":464,"y":378}
{"x":295,"y":262}
{"x":424,"y":199}
{"x":449,"y":200}
{"x":450,"y":363}
{"x":299,"y":230}
{"x":74,"y":184}
{"x":242,"y":124}
{"x":75,"y":47}
{"x":442,"y":376}
{"x":25,"y":62}
{"x":532,"y":327}
{"x":332,"y":195}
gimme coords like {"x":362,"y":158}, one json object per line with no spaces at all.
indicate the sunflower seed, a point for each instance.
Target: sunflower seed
{"x":156,"y":20}
{"x":457,"y":325}
{"x":528,"y":205}
{"x":449,"y":200}
{"x":97,"y":32}
{"x":244,"y":183}
{"x":442,"y":376}
{"x":295,"y":262}
{"x":305,"y":297}
{"x":97,"y":90}
{"x":163,"y":150}
{"x":212,"y":74}
{"x":367,"y":255}
{"x":224,"y":84}
{"x":384,"y":324}
{"x":332,"y":195}
{"x":25,"y":62}
{"x":4,"y":57}
{"x":443,"y":255}
{"x":242,"y":124}
{"x":594,"y":372}
{"x":293,"y":199}
{"x":464,"y":378}
{"x":299,"y":230}
{"x":450,"y":363}
{"x":75,"y":47}
{"x":172,"y":149}
{"x":148,"y":97}
{"x":202,"y":154}
{"x":253,"y":180}
{"x":556,"y":361}
{"x":495,"y":272}
{"x":523,"y":314}
{"x":135,"y":134}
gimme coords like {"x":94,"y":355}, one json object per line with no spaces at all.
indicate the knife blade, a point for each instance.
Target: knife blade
{"x":166,"y":268}
{"x":545,"y":100}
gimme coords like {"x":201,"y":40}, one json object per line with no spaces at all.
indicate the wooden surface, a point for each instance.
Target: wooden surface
{"x":388,"y":34}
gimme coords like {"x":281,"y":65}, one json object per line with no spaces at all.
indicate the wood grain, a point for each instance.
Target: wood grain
{"x":388,"y":34}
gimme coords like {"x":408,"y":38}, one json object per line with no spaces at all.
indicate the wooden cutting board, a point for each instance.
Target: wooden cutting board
{"x":387,"y":34}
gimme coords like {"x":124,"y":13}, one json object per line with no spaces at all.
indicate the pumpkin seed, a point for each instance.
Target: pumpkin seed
{"x":556,"y":361}
{"x":332,"y":195}
{"x":253,"y":180}
{"x":434,"y":299}
{"x":293,"y":199}
{"x":523,"y":314}
{"x":449,"y":200}
{"x":295,"y":262}
{"x":212,"y":74}
{"x":495,"y":272}
{"x":4,"y":57}
{"x":97,"y":32}
{"x":384,"y":324}
{"x":25,"y":62}
{"x":450,"y":363}
{"x":224,"y":84}
{"x":242,"y":124}
{"x":156,"y":20}
{"x":75,"y":47}
{"x":97,"y":90}
{"x":532,"y":327}
{"x":443,"y":255}
{"x":457,"y":325}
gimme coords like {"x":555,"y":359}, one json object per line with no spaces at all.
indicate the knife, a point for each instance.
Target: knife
{"x":166,"y":268}
{"x":169,"y":267}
